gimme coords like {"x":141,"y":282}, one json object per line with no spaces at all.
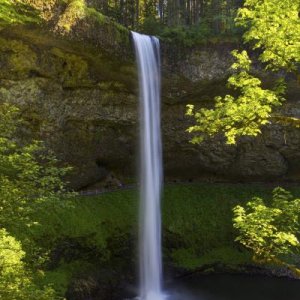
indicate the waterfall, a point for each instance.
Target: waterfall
{"x":148,"y":58}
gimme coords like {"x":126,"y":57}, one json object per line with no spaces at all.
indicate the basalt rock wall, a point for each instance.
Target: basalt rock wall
{"x":78,"y":93}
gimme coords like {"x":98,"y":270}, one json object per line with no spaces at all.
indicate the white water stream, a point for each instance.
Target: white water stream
{"x":148,"y":59}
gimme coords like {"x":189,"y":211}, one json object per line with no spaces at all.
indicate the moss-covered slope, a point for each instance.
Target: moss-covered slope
{"x":94,"y":244}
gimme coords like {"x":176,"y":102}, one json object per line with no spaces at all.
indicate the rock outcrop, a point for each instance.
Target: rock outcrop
{"x":78,"y":93}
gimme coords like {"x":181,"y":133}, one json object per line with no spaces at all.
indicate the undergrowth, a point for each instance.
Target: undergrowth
{"x":197,"y":229}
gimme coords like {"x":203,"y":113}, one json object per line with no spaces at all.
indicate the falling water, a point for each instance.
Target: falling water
{"x":147,"y":52}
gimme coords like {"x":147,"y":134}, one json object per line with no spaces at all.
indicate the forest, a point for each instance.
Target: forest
{"x":217,"y":16}
{"x":149,"y":149}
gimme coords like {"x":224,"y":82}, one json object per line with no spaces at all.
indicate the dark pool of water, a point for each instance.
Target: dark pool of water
{"x":234,"y":287}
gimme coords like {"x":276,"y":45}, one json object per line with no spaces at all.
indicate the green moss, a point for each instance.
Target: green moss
{"x":73,"y":69}
{"x":114,"y":29}
{"x":200,"y":217}
{"x":185,"y":258}
{"x":17,"y":12}
{"x":19,"y":57}
{"x":74,"y":11}
{"x":229,"y":256}
{"x":111,"y":86}
{"x":60,"y":278}
{"x":70,"y":58}
{"x":100,"y":18}
{"x":90,"y":220}
{"x":197,"y":229}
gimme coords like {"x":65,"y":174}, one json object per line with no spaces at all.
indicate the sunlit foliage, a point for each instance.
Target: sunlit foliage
{"x":274,"y":27}
{"x":15,"y":281}
{"x":30,"y":186}
{"x":236,"y":116}
{"x":29,"y":176}
{"x":270,"y":231}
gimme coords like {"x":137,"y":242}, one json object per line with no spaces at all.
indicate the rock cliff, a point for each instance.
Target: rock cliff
{"x":78,"y":93}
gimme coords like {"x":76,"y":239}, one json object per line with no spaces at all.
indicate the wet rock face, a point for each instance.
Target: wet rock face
{"x":82,"y":107}
{"x":82,"y":101}
{"x":209,"y":62}
{"x":267,"y":157}
{"x":198,"y":75}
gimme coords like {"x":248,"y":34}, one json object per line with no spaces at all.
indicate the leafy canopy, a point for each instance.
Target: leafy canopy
{"x":29,"y":176}
{"x":236,"y":116}
{"x":273,"y":26}
{"x":30,"y":188}
{"x":15,"y":281}
{"x":270,"y":232}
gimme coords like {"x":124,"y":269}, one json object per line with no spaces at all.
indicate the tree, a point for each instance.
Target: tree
{"x":241,"y":115}
{"x":270,"y":232}
{"x":133,"y":14}
{"x":29,"y":176}
{"x":30,"y":188}
{"x":15,"y":281}
{"x":273,"y":26}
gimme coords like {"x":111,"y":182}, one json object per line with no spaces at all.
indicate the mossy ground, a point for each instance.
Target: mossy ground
{"x":197,"y":228}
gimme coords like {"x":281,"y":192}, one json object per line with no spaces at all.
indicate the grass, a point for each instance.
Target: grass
{"x":197,"y":228}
